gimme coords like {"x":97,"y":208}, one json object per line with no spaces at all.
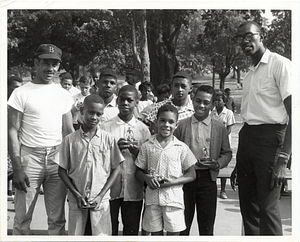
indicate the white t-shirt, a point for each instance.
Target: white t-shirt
{"x":143,"y":104}
{"x":43,"y":107}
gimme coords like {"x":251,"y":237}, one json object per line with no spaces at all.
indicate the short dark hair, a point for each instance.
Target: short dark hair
{"x":207,"y":89}
{"x":65,"y":75}
{"x":108,"y":72}
{"x":93,"y":98}
{"x":129,"y":88}
{"x":182,"y":74}
{"x":249,"y":22}
{"x":163,"y":88}
{"x":145,"y":85}
{"x":87,"y":79}
{"x":167,"y":108}
{"x":222,"y":95}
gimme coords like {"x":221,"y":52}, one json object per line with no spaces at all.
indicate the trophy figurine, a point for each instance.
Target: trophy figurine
{"x":87,"y":194}
{"x":130,"y":137}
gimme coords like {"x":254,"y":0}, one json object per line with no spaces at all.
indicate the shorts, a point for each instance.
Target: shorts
{"x":157,"y":218}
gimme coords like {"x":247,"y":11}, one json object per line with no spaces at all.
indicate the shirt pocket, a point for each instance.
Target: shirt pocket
{"x":102,"y":157}
{"x":266,"y":86}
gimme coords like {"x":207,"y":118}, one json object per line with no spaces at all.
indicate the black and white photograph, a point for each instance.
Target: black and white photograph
{"x":125,"y":120}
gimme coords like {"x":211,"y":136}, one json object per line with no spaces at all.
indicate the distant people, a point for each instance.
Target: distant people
{"x":207,"y":137}
{"x":145,"y":88}
{"x":163,"y":92}
{"x":85,"y":83}
{"x":39,"y":116}
{"x":164,"y":163}
{"x":228,"y":120}
{"x":95,"y":73}
{"x":67,"y":83}
{"x":107,"y":86}
{"x":264,"y":146}
{"x":181,"y":86}
{"x":13,"y":82}
{"x":127,"y":192}
{"x":89,"y":164}
{"x":230,"y":104}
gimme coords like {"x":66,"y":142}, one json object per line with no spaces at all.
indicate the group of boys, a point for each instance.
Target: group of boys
{"x":112,"y":162}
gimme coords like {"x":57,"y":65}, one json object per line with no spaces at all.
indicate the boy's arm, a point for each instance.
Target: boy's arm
{"x":151,"y":181}
{"x":67,"y":181}
{"x":189,"y":176}
{"x":110,"y":181}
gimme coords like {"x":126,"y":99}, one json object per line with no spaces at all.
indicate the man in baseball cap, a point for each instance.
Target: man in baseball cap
{"x":49,"y":51}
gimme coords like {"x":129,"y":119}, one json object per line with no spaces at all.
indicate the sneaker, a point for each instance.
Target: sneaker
{"x":223,"y":195}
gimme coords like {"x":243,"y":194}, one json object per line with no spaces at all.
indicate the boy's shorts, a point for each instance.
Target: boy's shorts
{"x":100,"y":220}
{"x":157,"y":218}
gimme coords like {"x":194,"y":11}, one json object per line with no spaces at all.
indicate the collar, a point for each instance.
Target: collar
{"x":206,"y":121}
{"x":132,"y":122}
{"x":264,"y":59}
{"x":175,"y":141}
{"x":113,"y":102}
{"x":84,"y":135}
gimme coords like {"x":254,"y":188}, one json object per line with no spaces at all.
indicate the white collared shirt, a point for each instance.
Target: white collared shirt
{"x":264,"y":88}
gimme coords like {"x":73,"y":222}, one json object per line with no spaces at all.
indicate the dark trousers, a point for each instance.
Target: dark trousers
{"x":202,"y":194}
{"x":131,"y":214}
{"x":257,"y":148}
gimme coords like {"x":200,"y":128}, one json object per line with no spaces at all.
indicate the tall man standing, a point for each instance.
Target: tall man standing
{"x":39,"y":115}
{"x":265,"y":139}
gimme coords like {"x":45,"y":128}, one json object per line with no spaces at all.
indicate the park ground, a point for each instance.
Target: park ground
{"x":228,"y":219}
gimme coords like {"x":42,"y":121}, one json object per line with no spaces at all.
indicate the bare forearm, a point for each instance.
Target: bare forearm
{"x":67,"y":125}
{"x":67,"y":181}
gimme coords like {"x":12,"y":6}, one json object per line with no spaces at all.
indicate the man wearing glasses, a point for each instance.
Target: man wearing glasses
{"x":265,"y":139}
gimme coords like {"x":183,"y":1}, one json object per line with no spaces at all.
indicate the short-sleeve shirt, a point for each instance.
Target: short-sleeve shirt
{"x":126,"y":185}
{"x":226,"y":115}
{"x":89,"y":162}
{"x":265,"y":87}
{"x":110,"y":110}
{"x":183,"y":111}
{"x":78,"y":98}
{"x":43,"y":106}
{"x":170,"y":162}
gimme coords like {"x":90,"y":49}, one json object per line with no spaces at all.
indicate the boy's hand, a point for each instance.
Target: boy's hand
{"x":97,"y":200}
{"x":165,"y":183}
{"x":134,"y":149}
{"x":80,"y":201}
{"x":208,"y":163}
{"x":233,"y":179}
{"x":123,"y":144}
{"x":152,"y":182}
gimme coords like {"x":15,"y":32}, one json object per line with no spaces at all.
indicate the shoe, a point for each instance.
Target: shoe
{"x":223,"y":195}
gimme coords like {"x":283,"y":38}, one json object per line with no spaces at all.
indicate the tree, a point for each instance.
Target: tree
{"x":217,"y":41}
{"x":278,"y":38}
{"x":163,"y":30}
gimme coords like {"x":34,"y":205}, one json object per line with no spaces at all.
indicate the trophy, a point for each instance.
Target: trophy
{"x":87,"y":194}
{"x":160,"y":179}
{"x":130,"y":137}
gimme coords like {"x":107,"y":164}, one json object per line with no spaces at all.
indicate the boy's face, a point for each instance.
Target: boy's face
{"x":166,"y":124}
{"x":146,"y":92}
{"x":66,"y":84}
{"x":180,"y":88}
{"x":92,"y":113}
{"x":219,"y":103}
{"x":127,"y":101}
{"x":85,"y":88}
{"x":107,"y":86}
{"x":202,"y":105}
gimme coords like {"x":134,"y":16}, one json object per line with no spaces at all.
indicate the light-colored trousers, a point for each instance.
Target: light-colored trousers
{"x":39,"y":165}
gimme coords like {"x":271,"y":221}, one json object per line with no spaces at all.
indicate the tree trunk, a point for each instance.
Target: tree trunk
{"x":213,"y":77}
{"x":162,"y":45}
{"x":144,"y":53}
{"x":136,"y":57}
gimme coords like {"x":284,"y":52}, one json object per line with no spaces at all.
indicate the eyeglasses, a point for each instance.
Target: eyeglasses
{"x":248,"y":37}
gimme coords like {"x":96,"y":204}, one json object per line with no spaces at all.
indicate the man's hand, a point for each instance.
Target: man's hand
{"x":233,"y":179}
{"x":80,"y":201}
{"x":278,"y":174}
{"x":97,"y":200}
{"x":152,"y":182}
{"x":208,"y":163}
{"x":20,"y":180}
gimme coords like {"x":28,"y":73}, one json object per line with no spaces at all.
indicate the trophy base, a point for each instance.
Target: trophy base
{"x":91,"y":206}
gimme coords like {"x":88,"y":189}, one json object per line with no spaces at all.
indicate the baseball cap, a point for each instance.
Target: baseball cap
{"x":108,"y":72}
{"x":49,"y":51}
{"x":183,"y":75}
